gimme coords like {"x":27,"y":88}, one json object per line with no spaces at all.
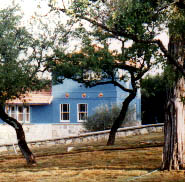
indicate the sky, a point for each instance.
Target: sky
{"x":27,"y":5}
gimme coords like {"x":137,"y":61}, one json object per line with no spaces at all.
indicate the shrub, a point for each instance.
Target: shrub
{"x":104,"y":117}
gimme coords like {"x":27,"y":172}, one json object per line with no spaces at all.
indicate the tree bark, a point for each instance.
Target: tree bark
{"x":173,"y":151}
{"x":30,"y":158}
{"x":118,"y":122}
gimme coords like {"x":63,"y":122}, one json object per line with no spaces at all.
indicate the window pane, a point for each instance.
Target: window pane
{"x":20,"y":109}
{"x":13,"y":115}
{"x":20,"y":113}
{"x":82,"y":116}
{"x":27,"y":109}
{"x":82,"y":112}
{"x":20,"y":117}
{"x":65,"y":112}
{"x":13,"y":112}
{"x":82,"y":107}
{"x":65,"y":116}
{"x":26,"y":113}
{"x":12,"y":108}
{"x":65,"y":108}
{"x":27,"y":118}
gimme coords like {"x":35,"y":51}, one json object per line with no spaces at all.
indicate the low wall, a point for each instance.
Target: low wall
{"x":87,"y":137}
{"x":34,"y":132}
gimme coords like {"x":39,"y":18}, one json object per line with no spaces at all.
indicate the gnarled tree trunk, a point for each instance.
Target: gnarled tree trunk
{"x":173,"y":152}
{"x":119,"y":120}
{"x":30,"y":158}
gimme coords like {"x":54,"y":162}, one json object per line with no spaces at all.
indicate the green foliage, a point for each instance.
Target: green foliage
{"x":153,"y":94}
{"x":115,"y":21}
{"x":176,"y":21}
{"x":134,"y":25}
{"x":153,"y":85}
{"x":123,"y":21}
{"x":104,"y":117}
{"x":139,"y":22}
{"x":18,"y":64}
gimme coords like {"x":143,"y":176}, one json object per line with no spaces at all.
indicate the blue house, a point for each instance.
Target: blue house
{"x":66,"y":106}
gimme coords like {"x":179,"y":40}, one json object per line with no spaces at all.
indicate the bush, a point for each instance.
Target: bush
{"x":104,"y":117}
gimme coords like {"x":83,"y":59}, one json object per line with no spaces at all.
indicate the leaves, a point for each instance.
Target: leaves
{"x":18,"y":71}
{"x":104,"y":117}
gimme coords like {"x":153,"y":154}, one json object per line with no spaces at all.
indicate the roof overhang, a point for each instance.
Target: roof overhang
{"x":32,"y":99}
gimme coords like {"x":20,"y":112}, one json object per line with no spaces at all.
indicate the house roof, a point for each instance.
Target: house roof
{"x":33,"y":98}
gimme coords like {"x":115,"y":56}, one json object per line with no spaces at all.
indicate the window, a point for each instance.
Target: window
{"x":20,"y":113}
{"x":27,"y":114}
{"x":82,"y":112}
{"x":12,"y":111}
{"x":64,"y":108}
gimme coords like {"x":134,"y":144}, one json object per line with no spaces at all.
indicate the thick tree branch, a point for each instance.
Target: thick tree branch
{"x":30,"y":158}
{"x":170,"y":59}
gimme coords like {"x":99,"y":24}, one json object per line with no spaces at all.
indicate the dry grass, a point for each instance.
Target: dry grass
{"x":93,"y":162}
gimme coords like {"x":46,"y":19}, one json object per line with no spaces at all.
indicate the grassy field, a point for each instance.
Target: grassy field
{"x":136,"y":158}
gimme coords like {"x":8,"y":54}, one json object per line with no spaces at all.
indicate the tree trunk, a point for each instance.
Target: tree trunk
{"x":30,"y":158}
{"x":173,"y":152}
{"x":118,"y":122}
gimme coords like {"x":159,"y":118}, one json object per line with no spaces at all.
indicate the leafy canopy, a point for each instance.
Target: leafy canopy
{"x":110,"y":42}
{"x":133,"y":22}
{"x":18,"y":57}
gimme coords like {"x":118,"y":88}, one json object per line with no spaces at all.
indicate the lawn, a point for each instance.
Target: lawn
{"x":136,"y":158}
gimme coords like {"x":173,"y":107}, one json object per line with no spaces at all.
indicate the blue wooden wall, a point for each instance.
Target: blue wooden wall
{"x":51,"y":113}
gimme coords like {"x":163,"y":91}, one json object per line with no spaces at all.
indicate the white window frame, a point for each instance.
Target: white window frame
{"x":61,"y":118}
{"x":78,"y":112}
{"x":8,"y":110}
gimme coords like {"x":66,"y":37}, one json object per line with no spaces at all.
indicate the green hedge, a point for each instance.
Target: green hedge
{"x":104,"y":117}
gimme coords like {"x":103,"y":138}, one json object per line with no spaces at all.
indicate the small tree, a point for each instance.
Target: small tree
{"x":20,"y":61}
{"x":141,"y":22}
{"x":95,"y":54}
{"x":102,"y":119}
